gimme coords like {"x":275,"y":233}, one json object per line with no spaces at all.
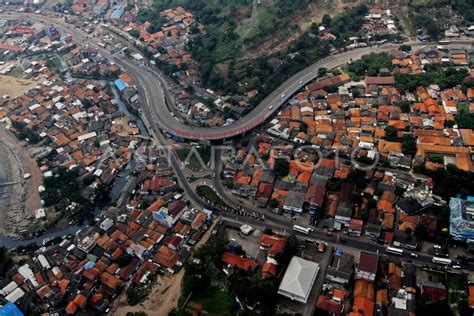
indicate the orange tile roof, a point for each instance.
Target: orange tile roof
{"x":385,"y":147}
{"x":364,"y":289}
{"x":71,"y":308}
{"x":274,"y":243}
{"x":382,"y":297}
{"x":462,"y":154}
{"x":239,"y":262}
{"x":110,"y":281}
{"x":471,"y":296}
{"x":268,"y":270}
{"x":156,"y":205}
{"x":364,"y":306}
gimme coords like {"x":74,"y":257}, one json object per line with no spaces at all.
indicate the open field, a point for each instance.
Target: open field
{"x":14,"y":86}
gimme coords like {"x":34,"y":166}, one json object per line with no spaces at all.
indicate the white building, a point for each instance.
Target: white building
{"x":299,"y":279}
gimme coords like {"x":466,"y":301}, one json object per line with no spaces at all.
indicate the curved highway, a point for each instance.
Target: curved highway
{"x":150,"y":86}
{"x":154,"y":111}
{"x":150,"y":83}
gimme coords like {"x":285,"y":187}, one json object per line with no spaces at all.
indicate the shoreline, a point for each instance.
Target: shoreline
{"x":6,"y":192}
{"x":14,"y":163}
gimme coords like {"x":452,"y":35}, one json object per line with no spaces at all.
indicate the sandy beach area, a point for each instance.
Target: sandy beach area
{"x":19,"y":198}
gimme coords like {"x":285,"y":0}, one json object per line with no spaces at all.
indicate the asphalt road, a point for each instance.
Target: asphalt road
{"x":152,"y":98}
{"x":284,"y":227}
{"x":151,"y":85}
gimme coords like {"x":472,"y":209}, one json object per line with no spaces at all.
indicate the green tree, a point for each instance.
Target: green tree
{"x":134,"y":33}
{"x":124,"y":260}
{"x":282,"y":167}
{"x":195,"y":283}
{"x":212,"y":249}
{"x":326,"y":20}
{"x":391,"y":133}
{"x":405,"y":48}
{"x":405,"y":106}
{"x":273,"y":203}
{"x":421,"y":231}
{"x":409,"y":144}
{"x":322,"y":71}
{"x":291,"y":249}
{"x":433,"y":30}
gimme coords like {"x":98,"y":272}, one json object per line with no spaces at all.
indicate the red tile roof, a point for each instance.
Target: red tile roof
{"x":274,"y":243}
{"x":239,"y":262}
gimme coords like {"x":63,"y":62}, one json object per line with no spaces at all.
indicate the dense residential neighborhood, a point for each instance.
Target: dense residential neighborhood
{"x":236,"y":158}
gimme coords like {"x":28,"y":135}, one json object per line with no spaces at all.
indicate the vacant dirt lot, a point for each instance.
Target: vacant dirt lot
{"x":165,"y":293}
{"x":161,"y":300}
{"x":15,"y":86}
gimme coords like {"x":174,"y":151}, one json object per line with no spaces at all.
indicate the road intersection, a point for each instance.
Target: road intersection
{"x":158,"y":119}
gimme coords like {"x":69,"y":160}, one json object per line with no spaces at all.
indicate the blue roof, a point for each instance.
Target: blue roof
{"x":470,"y":198}
{"x":10,"y":309}
{"x":120,"y":84}
{"x":338,"y":251}
{"x":117,"y":12}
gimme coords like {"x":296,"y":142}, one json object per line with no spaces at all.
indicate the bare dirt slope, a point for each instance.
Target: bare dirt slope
{"x":14,"y":86}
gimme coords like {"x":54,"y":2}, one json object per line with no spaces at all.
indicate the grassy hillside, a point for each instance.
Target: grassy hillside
{"x":242,"y":35}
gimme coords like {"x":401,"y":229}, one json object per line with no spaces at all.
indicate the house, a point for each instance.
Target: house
{"x":294,"y":202}
{"x":362,"y":307}
{"x":367,"y":267}
{"x":355,"y":227}
{"x":434,"y":292}
{"x":168,"y":216}
{"x":168,"y":258}
{"x":340,"y":267}
{"x":10,"y":309}
{"x":372,"y":231}
{"x":345,"y":205}
{"x":408,"y":205}
{"x":402,"y":239}
{"x":380,"y":81}
{"x":330,"y":306}
{"x":298,"y":280}
{"x":235,"y":260}
{"x":269,"y":269}
{"x":471,"y":296}
{"x":274,"y":244}
{"x":315,"y":196}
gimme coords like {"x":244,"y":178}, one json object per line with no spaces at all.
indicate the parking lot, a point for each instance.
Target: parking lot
{"x":250,"y":244}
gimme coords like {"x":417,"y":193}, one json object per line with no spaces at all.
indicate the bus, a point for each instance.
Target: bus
{"x":442,"y":261}
{"x":301,"y":229}
{"x":395,"y":251}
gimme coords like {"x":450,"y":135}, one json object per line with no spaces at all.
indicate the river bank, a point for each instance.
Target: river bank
{"x":20,"y":196}
{"x":5,"y":190}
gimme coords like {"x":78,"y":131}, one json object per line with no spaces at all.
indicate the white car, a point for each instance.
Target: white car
{"x":414,"y":255}
{"x":283,"y":95}
{"x":270,"y":107}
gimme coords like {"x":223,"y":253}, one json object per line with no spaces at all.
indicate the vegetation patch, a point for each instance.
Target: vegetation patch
{"x":208,"y":194}
{"x":195,"y":158}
